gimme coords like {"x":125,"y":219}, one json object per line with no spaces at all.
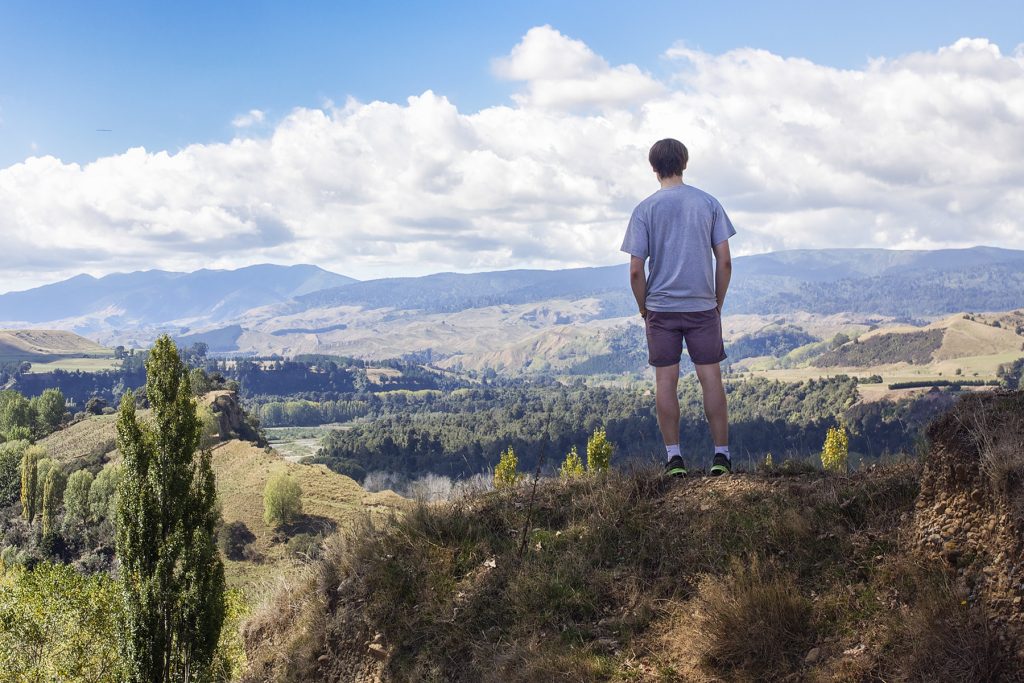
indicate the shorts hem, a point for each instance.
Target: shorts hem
{"x":713,"y":362}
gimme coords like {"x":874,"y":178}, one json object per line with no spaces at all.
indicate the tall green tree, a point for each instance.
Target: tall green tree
{"x":76,"y":499}
{"x":30,"y":481}
{"x":49,"y":410}
{"x":16,"y":415}
{"x":171,"y":573}
{"x":53,"y":498}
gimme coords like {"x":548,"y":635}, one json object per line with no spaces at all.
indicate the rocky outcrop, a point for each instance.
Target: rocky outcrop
{"x":969,"y":511}
{"x":228,"y":411}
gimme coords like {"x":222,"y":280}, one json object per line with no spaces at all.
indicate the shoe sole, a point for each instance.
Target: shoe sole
{"x":675,"y":472}
{"x":718,"y":470}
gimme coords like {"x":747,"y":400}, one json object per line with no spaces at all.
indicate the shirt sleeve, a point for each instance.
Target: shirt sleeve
{"x":637,"y":238}
{"x":721,"y":226}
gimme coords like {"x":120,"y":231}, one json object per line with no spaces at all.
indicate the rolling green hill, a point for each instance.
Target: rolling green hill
{"x":41,"y":346}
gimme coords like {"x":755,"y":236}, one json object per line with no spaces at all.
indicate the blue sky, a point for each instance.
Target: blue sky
{"x":163,"y":75}
{"x":379,"y":139}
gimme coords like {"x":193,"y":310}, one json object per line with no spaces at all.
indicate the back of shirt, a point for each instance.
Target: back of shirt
{"x":676,"y":228}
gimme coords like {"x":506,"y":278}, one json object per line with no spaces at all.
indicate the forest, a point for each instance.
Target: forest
{"x":463,"y":432}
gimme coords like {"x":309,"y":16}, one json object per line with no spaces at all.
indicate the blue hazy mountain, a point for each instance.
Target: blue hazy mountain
{"x":157,"y":296}
{"x":903,"y":283}
{"x":907,"y":284}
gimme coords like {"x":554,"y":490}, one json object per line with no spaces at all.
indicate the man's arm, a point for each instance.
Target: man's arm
{"x":638,"y":283}
{"x":723,"y":271}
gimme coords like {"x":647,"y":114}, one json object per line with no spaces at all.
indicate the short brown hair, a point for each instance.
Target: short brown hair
{"x":668,"y":157}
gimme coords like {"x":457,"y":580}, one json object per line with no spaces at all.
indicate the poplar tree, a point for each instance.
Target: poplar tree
{"x":171,"y":574}
{"x":29,"y":482}
{"x":53,"y":497}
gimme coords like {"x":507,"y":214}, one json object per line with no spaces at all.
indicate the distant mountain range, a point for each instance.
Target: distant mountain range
{"x":158,"y":296}
{"x":562,"y":314}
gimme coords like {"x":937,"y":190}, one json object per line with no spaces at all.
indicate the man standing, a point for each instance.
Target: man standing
{"x":678,"y":228}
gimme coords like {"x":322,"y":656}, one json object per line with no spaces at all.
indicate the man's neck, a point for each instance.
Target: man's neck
{"x":671,"y":181}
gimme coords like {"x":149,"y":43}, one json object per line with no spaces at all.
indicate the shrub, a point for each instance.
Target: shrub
{"x":233,"y":538}
{"x":282,"y":500}
{"x":61,"y":625}
{"x":599,"y":451}
{"x":835,"y":452}
{"x":505,"y":475}
{"x":573,"y":466}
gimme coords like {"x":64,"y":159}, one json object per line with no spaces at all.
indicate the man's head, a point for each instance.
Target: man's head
{"x":668,"y":158}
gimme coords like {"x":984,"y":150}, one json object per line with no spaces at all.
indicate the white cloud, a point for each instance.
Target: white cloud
{"x":924,"y":150}
{"x":251,"y":118}
{"x":562,"y":73}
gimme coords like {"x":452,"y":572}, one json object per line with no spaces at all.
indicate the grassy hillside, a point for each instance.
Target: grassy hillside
{"x":904,"y":572}
{"x":329,"y":501}
{"x":93,"y":439}
{"x":39,"y":346}
{"x":963,"y":346}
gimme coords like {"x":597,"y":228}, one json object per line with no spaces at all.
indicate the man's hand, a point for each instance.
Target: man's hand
{"x":723,"y":271}
{"x":638,"y":283}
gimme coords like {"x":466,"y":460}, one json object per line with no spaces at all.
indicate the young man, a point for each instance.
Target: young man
{"x":678,"y":228}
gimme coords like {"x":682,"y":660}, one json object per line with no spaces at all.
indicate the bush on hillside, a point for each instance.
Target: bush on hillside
{"x":835,"y":452}
{"x":282,"y":500}
{"x":573,"y":465}
{"x":599,"y":452}
{"x":505,"y":475}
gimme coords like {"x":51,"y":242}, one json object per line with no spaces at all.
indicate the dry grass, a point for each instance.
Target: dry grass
{"x":89,"y":440}
{"x":750,"y":624}
{"x":36,"y":345}
{"x":949,"y":641}
{"x":610,"y":565}
{"x":329,"y":501}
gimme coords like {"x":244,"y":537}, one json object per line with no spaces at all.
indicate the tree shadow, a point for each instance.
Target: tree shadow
{"x":307,"y":524}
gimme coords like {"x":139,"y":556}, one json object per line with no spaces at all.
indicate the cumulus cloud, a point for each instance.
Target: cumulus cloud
{"x":562,"y":73}
{"x":250,"y":118}
{"x":922,"y":150}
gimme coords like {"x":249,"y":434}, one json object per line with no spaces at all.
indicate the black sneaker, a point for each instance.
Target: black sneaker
{"x":675,"y":467}
{"x":721,"y":465}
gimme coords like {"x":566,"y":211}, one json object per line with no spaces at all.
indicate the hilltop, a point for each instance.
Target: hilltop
{"x":909,"y":571}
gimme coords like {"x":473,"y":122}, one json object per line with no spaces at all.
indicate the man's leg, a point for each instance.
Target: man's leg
{"x":715,"y":407}
{"x":666,"y":400}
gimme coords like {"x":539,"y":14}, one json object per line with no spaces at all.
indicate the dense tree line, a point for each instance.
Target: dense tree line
{"x":31,"y":418}
{"x":464,"y":432}
{"x":774,"y":341}
{"x":894,"y":347}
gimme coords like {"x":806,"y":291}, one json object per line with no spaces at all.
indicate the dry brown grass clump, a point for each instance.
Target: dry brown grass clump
{"x":948,"y":641}
{"x":752,"y":623}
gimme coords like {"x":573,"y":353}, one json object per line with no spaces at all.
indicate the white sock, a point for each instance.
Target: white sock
{"x":672,"y":451}
{"x":724,"y":450}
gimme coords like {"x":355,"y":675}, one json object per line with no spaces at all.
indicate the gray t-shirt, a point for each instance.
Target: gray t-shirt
{"x":676,"y":228}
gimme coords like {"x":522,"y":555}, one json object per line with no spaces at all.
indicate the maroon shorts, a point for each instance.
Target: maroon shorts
{"x":702,"y":331}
